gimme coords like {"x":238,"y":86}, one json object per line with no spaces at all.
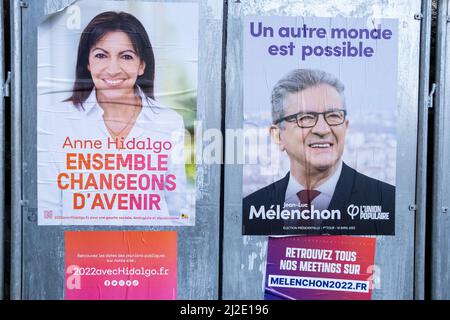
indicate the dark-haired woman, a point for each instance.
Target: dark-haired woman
{"x":113,"y":102}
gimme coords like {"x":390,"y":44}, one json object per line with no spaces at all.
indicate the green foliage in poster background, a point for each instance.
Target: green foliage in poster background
{"x":181,"y":96}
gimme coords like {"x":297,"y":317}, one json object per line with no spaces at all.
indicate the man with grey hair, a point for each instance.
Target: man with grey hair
{"x":320,"y":194}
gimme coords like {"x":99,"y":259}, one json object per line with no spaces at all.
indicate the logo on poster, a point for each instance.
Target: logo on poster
{"x":353,"y":211}
{"x":48,"y":214}
{"x":367,"y":212}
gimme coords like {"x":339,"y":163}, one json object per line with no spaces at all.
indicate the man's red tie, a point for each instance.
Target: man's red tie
{"x":306,"y":197}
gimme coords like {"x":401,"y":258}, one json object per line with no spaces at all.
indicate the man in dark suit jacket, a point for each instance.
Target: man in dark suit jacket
{"x":353,"y":188}
{"x":309,"y":124}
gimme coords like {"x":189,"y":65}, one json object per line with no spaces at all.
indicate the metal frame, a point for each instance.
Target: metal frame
{"x":2,"y":153}
{"x":439,"y":201}
{"x":34,"y":247}
{"x":244,"y":256}
{"x":16,"y":152}
{"x":440,"y":257}
{"x":425,"y":100}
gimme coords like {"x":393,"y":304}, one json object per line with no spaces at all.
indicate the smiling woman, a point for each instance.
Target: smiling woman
{"x":113,"y":100}
{"x":129,"y":35}
{"x":115,"y":57}
{"x":114,"y":67}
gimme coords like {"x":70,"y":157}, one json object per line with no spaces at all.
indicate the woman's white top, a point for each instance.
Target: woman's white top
{"x":148,"y":181}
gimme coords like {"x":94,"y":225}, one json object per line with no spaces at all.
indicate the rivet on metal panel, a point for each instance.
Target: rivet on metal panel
{"x":23,"y":4}
{"x":448,"y":18}
{"x":32,"y":214}
{"x":444,"y":209}
{"x":23,"y":203}
{"x":412,"y":207}
{"x":418,"y":16}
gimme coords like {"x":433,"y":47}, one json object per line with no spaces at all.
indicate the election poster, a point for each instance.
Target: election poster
{"x":320,"y":268}
{"x":116,"y":105}
{"x":121,"y":265}
{"x":320,"y":125}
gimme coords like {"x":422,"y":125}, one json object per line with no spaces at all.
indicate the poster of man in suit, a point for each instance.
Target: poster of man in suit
{"x":325,"y":92}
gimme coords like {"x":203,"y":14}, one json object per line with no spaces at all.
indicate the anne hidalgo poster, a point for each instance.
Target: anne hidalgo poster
{"x":320,"y":116}
{"x":121,"y":265}
{"x":117,"y":91}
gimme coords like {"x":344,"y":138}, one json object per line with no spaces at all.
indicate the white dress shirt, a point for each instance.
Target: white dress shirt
{"x":155,"y":121}
{"x":326,"y":189}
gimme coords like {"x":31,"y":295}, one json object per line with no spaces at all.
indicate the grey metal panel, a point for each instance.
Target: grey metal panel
{"x":245,"y":256}
{"x":16,"y":154}
{"x":440,"y":259}
{"x":2,"y":152}
{"x":42,"y":271}
{"x":422,"y":148}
